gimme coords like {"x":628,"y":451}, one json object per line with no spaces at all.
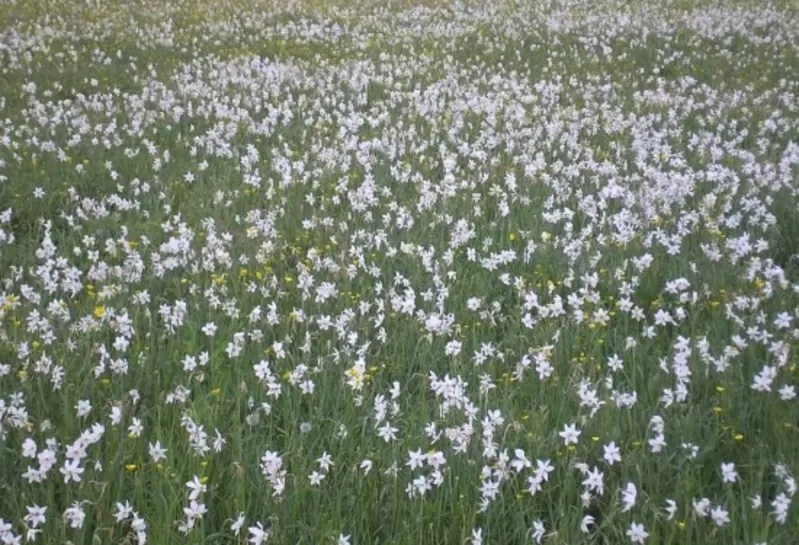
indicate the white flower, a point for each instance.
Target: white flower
{"x":728,"y":472}
{"x":611,"y":453}
{"x":237,"y":524}
{"x":637,"y":533}
{"x":195,"y":510}
{"x":315,"y":477}
{"x":570,"y":434}
{"x":157,"y":452}
{"x":453,"y":348}
{"x":387,"y":432}
{"x":258,"y":534}
{"x":75,"y":515}
{"x":594,"y":481}
{"x":83,"y":408}
{"x":124,"y":511}
{"x":415,"y":459}
{"x":671,"y":508}
{"x":366,"y":466}
{"x":719,"y":515}
{"x":537,"y":531}
{"x":72,"y":471}
{"x":787,"y":393}
{"x":628,"y":497}
{"x":325,"y":461}
{"x":477,"y":536}
{"x":36,"y":515}
{"x":196,"y":488}
{"x":209,"y":329}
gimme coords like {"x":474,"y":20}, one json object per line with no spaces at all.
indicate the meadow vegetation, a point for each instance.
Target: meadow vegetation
{"x":366,"y":272}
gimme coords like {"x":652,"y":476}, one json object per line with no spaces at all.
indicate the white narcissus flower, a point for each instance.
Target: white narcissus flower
{"x":637,"y":533}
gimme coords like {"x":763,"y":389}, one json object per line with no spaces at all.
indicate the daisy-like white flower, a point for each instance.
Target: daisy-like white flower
{"x":637,"y":533}
{"x":157,"y":452}
{"x":728,"y":472}
{"x":720,"y":515}
{"x":611,"y":453}
{"x":570,"y":434}
{"x":72,"y":471}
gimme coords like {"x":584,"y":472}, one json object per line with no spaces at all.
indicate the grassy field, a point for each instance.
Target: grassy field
{"x":382,"y":273}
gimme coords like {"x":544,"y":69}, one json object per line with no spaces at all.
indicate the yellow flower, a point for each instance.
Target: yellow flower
{"x":131,"y":467}
{"x":99,"y":311}
{"x":9,"y":302}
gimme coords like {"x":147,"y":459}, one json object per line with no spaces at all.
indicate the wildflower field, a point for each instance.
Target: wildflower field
{"x":484,"y":273}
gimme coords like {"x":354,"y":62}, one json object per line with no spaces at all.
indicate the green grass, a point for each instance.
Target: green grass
{"x":398,"y":103}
